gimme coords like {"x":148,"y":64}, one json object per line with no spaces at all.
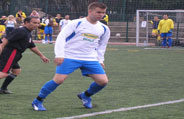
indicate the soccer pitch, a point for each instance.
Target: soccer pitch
{"x":137,"y":77}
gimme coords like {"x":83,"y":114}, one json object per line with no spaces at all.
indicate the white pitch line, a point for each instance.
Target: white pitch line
{"x":123,"y":109}
{"x":163,"y":48}
{"x":42,"y":52}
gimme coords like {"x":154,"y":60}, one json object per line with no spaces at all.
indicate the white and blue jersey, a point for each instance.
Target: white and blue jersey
{"x":81,"y":40}
{"x":63,"y":23}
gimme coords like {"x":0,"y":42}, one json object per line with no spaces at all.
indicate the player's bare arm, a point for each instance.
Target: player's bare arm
{"x":58,"y":60}
{"x":3,"y":44}
{"x":37,"y":51}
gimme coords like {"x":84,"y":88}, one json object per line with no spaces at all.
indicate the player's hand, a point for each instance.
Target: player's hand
{"x":170,"y":31}
{"x":58,"y":61}
{"x":1,"y":49}
{"x":103,"y":65}
{"x":45,"y":59}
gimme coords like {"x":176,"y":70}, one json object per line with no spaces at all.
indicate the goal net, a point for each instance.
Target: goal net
{"x":144,"y":27}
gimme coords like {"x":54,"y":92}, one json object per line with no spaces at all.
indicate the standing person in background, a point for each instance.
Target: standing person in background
{"x":64,"y":22}
{"x":155,"y":33}
{"x":41,"y":34}
{"x":105,"y":19}
{"x":11,"y":50}
{"x":34,"y":13}
{"x":2,"y":26}
{"x":20,"y":16}
{"x":48,"y":29}
{"x":10,"y":24}
{"x":80,"y":45}
{"x":58,"y":18}
{"x":165,"y":28}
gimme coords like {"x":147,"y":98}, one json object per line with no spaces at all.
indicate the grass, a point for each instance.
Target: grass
{"x":136,"y":77}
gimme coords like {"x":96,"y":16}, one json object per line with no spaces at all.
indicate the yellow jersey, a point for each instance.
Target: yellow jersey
{"x":165,"y":26}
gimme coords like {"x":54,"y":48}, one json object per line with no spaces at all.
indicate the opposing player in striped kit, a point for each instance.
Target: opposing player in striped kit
{"x":11,"y":50}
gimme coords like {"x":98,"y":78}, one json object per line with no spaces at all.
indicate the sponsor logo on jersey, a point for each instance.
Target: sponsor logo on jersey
{"x":89,"y":37}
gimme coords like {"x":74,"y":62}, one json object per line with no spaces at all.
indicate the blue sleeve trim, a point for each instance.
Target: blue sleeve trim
{"x":78,"y":24}
{"x":104,"y":30}
{"x":73,"y":34}
{"x":69,"y":37}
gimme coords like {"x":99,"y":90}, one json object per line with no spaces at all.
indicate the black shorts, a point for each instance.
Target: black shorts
{"x":9,"y":60}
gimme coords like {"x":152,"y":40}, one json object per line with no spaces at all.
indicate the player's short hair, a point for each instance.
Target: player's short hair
{"x":28,"y":19}
{"x":94,"y":5}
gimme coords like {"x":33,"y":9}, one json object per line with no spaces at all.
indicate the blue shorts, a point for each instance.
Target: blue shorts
{"x":48,"y":30}
{"x":166,"y":34}
{"x":87,"y":67}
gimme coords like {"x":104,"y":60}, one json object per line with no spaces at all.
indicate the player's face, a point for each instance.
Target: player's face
{"x":34,"y":23}
{"x":156,"y":18}
{"x":97,"y":13}
{"x":165,"y":17}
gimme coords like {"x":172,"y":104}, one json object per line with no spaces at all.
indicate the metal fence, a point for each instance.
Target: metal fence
{"x":118,"y":10}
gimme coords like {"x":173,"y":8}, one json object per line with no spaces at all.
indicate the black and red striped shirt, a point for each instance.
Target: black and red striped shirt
{"x":20,"y":39}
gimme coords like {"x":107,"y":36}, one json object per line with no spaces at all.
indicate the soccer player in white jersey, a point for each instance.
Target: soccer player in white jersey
{"x":64,"y":22}
{"x":80,"y":45}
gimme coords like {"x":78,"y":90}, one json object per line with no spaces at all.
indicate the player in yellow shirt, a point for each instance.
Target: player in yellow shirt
{"x":20,"y":16}
{"x":2,"y":26}
{"x":155,"y":23}
{"x":165,"y":28}
{"x":105,"y":19}
{"x":41,"y":28}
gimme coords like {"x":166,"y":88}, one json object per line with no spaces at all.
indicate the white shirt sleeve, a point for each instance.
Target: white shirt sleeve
{"x":102,"y":45}
{"x":47,"y":22}
{"x":61,"y":39}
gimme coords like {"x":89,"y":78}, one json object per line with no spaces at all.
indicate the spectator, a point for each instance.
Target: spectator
{"x":58,"y":18}
{"x":155,"y":33}
{"x":105,"y":19}
{"x":10,"y":24}
{"x":35,"y":14}
{"x":41,"y":34}
{"x":20,"y":16}
{"x":48,"y":29}
{"x":64,"y":22}
{"x":2,"y":26}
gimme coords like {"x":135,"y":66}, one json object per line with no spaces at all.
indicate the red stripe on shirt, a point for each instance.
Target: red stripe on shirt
{"x":10,"y":61}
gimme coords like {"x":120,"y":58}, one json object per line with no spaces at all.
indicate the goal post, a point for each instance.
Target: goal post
{"x":144,"y":28}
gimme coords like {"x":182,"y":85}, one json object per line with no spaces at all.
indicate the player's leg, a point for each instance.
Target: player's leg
{"x":164,"y":40}
{"x":15,"y":71}
{"x":50,"y":34}
{"x":8,"y":60}
{"x":46,"y":31}
{"x":169,"y":35}
{"x":47,"y":88}
{"x":3,"y":75}
{"x":62,"y":72}
{"x":97,"y":73}
{"x":39,"y":34}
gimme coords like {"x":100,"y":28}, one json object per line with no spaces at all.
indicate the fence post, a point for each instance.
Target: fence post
{"x":177,"y":34}
{"x":124,"y":8}
{"x":46,"y":7}
{"x":127,"y":31}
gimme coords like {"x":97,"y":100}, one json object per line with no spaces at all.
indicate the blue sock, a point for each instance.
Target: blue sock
{"x":45,"y":37}
{"x":169,"y":42}
{"x":50,"y":37}
{"x":49,"y":87}
{"x":164,"y":42}
{"x":93,"y":89}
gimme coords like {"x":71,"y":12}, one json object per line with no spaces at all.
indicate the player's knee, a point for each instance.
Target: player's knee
{"x":3,"y":75}
{"x":59,"y":79}
{"x":16,"y":71}
{"x":103,"y":82}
